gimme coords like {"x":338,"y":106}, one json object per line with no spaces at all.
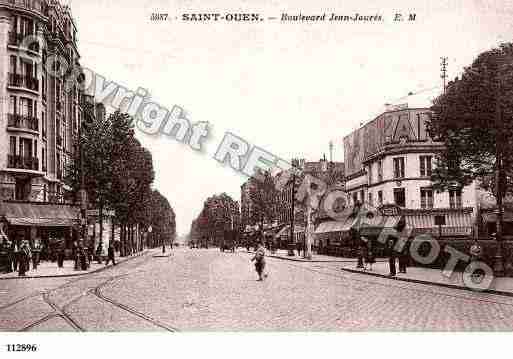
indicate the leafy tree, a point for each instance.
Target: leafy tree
{"x":473,"y":118}
{"x":264,"y":199}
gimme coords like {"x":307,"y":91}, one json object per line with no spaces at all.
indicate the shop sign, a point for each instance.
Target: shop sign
{"x":390,"y":210}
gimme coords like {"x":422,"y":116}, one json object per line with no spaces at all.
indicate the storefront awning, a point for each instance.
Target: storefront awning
{"x":329,"y":226}
{"x":456,"y":224}
{"x":285,"y":231}
{"x":376,"y":224}
{"x":39,"y":215}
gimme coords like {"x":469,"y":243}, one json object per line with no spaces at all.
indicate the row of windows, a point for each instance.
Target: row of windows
{"x":426,"y":198}
{"x":425,"y":168}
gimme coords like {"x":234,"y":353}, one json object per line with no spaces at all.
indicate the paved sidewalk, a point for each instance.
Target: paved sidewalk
{"x":316,"y":258}
{"x":503,"y":286}
{"x":48,"y":269}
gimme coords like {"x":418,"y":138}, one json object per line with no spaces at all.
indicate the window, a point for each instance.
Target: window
{"x":12,"y":105}
{"x":399,"y":167}
{"x":371,"y":202}
{"x":26,"y":26}
{"x":425,"y":166}
{"x":380,"y":170}
{"x":380,"y":198}
{"x":400,"y":197}
{"x":455,"y":198}
{"x":370,"y":173}
{"x":362,"y":196}
{"x":25,"y":107}
{"x":12,"y":145}
{"x":426,"y":198}
{"x":43,"y":159}
{"x":12,"y":65}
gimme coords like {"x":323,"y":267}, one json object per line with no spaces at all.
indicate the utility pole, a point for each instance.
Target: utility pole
{"x":498,"y":266}
{"x":443,"y":70}
{"x":292,"y":209}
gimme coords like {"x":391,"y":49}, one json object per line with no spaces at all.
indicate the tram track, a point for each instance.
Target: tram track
{"x":63,"y":311}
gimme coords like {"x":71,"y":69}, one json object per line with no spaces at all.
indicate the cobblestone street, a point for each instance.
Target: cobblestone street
{"x":209,"y":290}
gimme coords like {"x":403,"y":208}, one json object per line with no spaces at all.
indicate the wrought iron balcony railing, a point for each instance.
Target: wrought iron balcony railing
{"x":23,"y":81}
{"x":16,"y":39}
{"x":39,"y":6}
{"x":22,"y":122}
{"x":21,"y":162}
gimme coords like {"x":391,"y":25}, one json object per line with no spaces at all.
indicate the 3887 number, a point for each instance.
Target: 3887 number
{"x":22,"y":347}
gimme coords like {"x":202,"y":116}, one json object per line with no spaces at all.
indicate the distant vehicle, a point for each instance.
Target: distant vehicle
{"x":229,"y":242}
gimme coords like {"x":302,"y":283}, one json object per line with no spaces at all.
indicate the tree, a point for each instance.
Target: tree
{"x":473,"y":118}
{"x":264,"y":199}
{"x":220,"y":213}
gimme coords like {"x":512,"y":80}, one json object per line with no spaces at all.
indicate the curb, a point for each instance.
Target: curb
{"x":75,"y":274}
{"x":420,"y":281}
{"x":314,"y":261}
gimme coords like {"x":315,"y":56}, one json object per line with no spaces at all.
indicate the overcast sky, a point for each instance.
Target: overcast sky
{"x":287,"y":87}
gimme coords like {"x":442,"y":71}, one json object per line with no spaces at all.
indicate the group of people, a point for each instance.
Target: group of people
{"x":19,"y":256}
{"x":397,"y":254}
{"x":366,"y":256}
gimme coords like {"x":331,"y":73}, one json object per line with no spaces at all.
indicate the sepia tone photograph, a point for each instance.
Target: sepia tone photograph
{"x":263,"y":167}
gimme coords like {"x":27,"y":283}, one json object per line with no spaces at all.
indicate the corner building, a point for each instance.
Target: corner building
{"x":38,"y":118}
{"x":389,"y":161}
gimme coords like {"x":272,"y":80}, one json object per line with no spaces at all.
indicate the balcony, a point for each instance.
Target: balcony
{"x":59,"y":140}
{"x":21,"y":162}
{"x":23,"y":81}
{"x":16,"y":39}
{"x":38,"y":6}
{"x":22,"y":122}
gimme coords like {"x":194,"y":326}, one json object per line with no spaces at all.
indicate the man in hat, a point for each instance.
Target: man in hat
{"x":259,"y":259}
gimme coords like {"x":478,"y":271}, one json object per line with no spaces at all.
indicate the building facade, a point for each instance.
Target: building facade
{"x":389,"y":161}
{"x":40,"y":114}
{"x":38,"y":118}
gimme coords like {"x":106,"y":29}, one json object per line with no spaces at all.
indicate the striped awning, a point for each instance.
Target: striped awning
{"x":456,"y":223}
{"x":335,"y":226}
{"x":376,"y":224}
{"x":39,"y":215}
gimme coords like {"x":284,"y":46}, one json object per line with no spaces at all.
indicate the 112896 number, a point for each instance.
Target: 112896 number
{"x":22,"y":348}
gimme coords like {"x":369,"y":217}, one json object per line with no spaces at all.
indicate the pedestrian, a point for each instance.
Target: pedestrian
{"x":404,"y":257}
{"x":60,"y":254}
{"x":298,"y":247}
{"x":36,"y":253}
{"x":23,"y":259}
{"x":110,"y":255}
{"x":359,"y":256}
{"x":259,"y":259}
{"x":370,"y":258}
{"x":10,"y":256}
{"x":99,"y":253}
{"x":391,"y":257}
{"x":15,"y":255}
{"x":74,"y":254}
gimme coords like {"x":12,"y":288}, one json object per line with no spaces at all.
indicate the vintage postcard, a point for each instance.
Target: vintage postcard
{"x":254,"y":166}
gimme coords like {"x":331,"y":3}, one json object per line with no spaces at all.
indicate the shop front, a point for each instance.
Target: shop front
{"x":336,"y":237}
{"x":454,"y":223}
{"x":46,"y":226}
{"x":283,"y":236}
